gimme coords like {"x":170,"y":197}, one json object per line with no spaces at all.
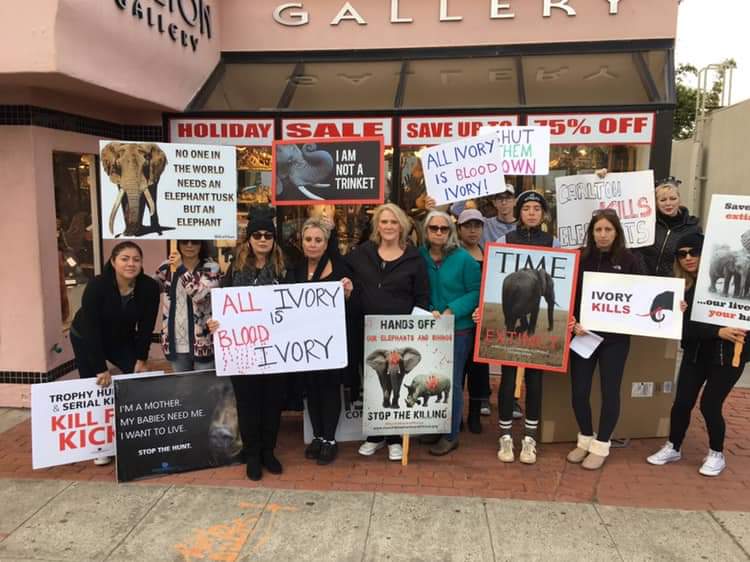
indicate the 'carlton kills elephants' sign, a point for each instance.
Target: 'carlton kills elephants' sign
{"x":169,"y":191}
{"x":526,"y":303}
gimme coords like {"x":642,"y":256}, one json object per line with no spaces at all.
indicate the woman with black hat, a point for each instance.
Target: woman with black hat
{"x":706,"y":363}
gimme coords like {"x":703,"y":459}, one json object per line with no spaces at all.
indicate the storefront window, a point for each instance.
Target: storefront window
{"x":74,"y":177}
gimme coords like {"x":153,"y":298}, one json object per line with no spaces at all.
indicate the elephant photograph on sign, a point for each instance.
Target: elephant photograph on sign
{"x":391,"y":366}
{"x":301,"y":169}
{"x":732,"y":269}
{"x":522,"y":294}
{"x":135,"y":169}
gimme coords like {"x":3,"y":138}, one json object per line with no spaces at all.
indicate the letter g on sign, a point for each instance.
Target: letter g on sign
{"x":291,"y":18}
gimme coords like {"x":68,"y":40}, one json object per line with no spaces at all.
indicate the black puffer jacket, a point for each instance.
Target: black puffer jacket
{"x":659,"y":258}
{"x":529,"y":237}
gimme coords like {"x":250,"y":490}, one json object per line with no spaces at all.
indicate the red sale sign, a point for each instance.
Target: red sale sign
{"x":418,"y":131}
{"x":230,"y":132}
{"x":598,"y":128}
{"x":335,"y":128}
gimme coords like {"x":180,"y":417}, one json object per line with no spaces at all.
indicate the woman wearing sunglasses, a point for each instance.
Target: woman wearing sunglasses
{"x":260,"y":398}
{"x":186,"y":306}
{"x":454,"y":290}
{"x":605,"y":252}
{"x":707,"y":364}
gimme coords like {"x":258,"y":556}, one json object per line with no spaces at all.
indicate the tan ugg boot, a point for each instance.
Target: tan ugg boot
{"x":598,"y":453}
{"x":577,"y":455}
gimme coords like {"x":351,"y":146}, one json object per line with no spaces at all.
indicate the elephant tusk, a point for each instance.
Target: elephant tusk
{"x":118,"y":201}
{"x":309,"y":195}
{"x":149,"y":202}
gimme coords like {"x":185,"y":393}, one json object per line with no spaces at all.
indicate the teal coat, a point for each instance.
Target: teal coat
{"x":454,"y":285}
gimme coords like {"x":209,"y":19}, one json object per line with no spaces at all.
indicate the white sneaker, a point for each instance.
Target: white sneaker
{"x":395,"y":452}
{"x":664,"y":455}
{"x":713,"y":464}
{"x":102,"y":461}
{"x":368,"y":448}
{"x":485,"y":410}
{"x":505,"y":452}
{"x":528,"y":451}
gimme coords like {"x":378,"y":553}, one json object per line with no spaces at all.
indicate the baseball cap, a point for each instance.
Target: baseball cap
{"x":470,"y":215}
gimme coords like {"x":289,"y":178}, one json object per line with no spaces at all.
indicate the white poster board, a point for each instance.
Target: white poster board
{"x":279,"y":328}
{"x":723,"y":285}
{"x":168,"y":191}
{"x":638,"y":305}
{"x":525,"y":149}
{"x":630,"y":194}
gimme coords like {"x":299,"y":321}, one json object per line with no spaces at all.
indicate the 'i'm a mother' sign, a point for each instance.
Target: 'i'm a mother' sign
{"x":279,"y":328}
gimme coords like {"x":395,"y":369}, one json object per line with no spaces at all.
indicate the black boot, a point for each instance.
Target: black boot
{"x":474,"y":422}
{"x":253,"y":468}
{"x":269,"y":461}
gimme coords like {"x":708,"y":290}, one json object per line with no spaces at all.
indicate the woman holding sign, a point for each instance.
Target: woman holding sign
{"x":604,"y":251}
{"x":260,"y":398}
{"x":707,"y":364}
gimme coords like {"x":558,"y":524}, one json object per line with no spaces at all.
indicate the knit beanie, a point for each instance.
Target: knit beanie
{"x":257,"y":224}
{"x":693,"y":240}
{"x":530,"y":196}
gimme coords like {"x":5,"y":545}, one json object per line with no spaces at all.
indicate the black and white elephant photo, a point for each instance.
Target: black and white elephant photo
{"x":522,"y":294}
{"x":732,"y":268}
{"x":135,"y":168}
{"x":298,"y":169}
{"x":391,"y":365}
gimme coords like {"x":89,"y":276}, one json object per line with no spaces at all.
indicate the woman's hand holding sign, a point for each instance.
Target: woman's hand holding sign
{"x":347,"y":285}
{"x":736,"y":335}
{"x":104,"y":378}
{"x":212,"y":325}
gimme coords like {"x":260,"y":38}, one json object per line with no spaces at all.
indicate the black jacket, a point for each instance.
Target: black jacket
{"x":529,"y":237}
{"x":104,"y":324}
{"x":659,"y":258}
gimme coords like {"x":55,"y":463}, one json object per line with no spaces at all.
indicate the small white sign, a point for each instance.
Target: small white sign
{"x":525,"y":150}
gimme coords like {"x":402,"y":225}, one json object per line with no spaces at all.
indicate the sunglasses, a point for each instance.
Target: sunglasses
{"x":693,"y":253}
{"x":263,"y":235}
{"x":437,"y":228}
{"x":190,"y":242}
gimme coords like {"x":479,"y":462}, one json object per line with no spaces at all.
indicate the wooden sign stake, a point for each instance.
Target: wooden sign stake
{"x":405,"y":447}
{"x":737,"y":353}
{"x":172,"y":250}
{"x":520,"y":372}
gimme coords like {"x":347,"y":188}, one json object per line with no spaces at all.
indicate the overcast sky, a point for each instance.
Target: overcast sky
{"x":709,"y":31}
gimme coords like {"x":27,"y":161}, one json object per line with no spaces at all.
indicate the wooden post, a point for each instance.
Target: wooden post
{"x":737,"y":352}
{"x":520,"y":372}
{"x":405,"y":448}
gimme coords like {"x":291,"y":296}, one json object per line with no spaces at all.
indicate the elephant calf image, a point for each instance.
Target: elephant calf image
{"x":301,"y":169}
{"x":727,"y":266}
{"x":522,"y":293}
{"x":391,"y":367}
{"x":424,"y":386}
{"x":135,"y":168}
{"x":224,"y":441}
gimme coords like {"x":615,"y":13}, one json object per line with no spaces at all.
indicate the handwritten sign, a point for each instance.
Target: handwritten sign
{"x":174,"y":191}
{"x":279,"y":328}
{"x":525,"y":150}
{"x":723,"y":284}
{"x":462,"y":170}
{"x":639,"y":305}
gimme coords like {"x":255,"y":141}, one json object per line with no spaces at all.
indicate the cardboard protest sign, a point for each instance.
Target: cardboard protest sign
{"x":525,"y":150}
{"x":526,"y":304}
{"x":408,"y":375}
{"x":174,"y":423}
{"x":179,"y":191}
{"x":723,"y":285}
{"x":318,"y":170}
{"x":349,"y":427}
{"x":639,"y":305}
{"x":630,"y":194}
{"x":279,"y":328}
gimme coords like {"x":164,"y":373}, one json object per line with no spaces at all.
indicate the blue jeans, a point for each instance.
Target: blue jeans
{"x":462,"y":341}
{"x":185,"y":362}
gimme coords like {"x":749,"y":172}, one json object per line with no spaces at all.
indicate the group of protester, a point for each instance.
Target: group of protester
{"x":390,"y":275}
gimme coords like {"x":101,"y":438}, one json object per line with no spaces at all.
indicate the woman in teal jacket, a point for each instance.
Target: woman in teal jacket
{"x":454,"y":289}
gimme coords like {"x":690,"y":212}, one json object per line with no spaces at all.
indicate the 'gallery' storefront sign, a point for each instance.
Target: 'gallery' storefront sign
{"x":193,"y":18}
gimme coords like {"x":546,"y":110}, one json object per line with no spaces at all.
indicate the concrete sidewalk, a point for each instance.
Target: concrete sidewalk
{"x":63,"y":520}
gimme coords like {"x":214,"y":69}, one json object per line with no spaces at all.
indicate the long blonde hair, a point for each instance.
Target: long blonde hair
{"x":680,"y":273}
{"x":244,"y":256}
{"x":401,"y":217}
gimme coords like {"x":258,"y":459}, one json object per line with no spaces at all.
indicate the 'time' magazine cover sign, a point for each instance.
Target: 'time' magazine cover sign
{"x":408,"y":374}
{"x":342,"y":171}
{"x":526,"y":304}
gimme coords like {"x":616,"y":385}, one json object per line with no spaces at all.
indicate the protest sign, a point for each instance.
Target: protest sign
{"x":723,"y":285}
{"x":408,"y":375}
{"x":349,"y":427}
{"x":340,"y":171}
{"x":180,"y":191}
{"x":174,"y":423}
{"x":279,"y":328}
{"x":639,"y":305}
{"x":630,"y":194}
{"x":525,"y":150}
{"x":520,"y":284}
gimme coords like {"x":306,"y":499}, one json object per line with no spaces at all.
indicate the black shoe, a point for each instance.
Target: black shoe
{"x":328,"y":452}
{"x":312,"y":451}
{"x":429,"y":439}
{"x":271,"y":463}
{"x":253,"y":469}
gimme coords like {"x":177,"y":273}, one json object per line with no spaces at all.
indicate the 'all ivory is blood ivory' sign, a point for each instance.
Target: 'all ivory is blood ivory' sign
{"x":279,"y":328}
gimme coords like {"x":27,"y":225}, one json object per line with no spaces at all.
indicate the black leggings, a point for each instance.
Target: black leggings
{"x":719,"y":381}
{"x":260,"y":399}
{"x":123,"y":357}
{"x":506,"y":394}
{"x":323,"y":403}
{"x":611,"y":356}
{"x":478,"y":375}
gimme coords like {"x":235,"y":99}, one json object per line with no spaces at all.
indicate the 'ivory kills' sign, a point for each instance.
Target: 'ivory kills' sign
{"x":630,"y":194}
{"x":279,"y":328}
{"x":175,"y":191}
{"x":723,"y":285}
{"x":462,"y":170}
{"x":525,"y":150}
{"x":638,"y":305}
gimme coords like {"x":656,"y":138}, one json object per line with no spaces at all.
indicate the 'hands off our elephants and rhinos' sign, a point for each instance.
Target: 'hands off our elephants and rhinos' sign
{"x":630,"y":194}
{"x":279,"y":328}
{"x":179,"y":191}
{"x":722,"y":290}
{"x":174,"y":423}
{"x":408,"y":374}
{"x":525,"y":305}
{"x":340,"y":171}
{"x":639,"y":305}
